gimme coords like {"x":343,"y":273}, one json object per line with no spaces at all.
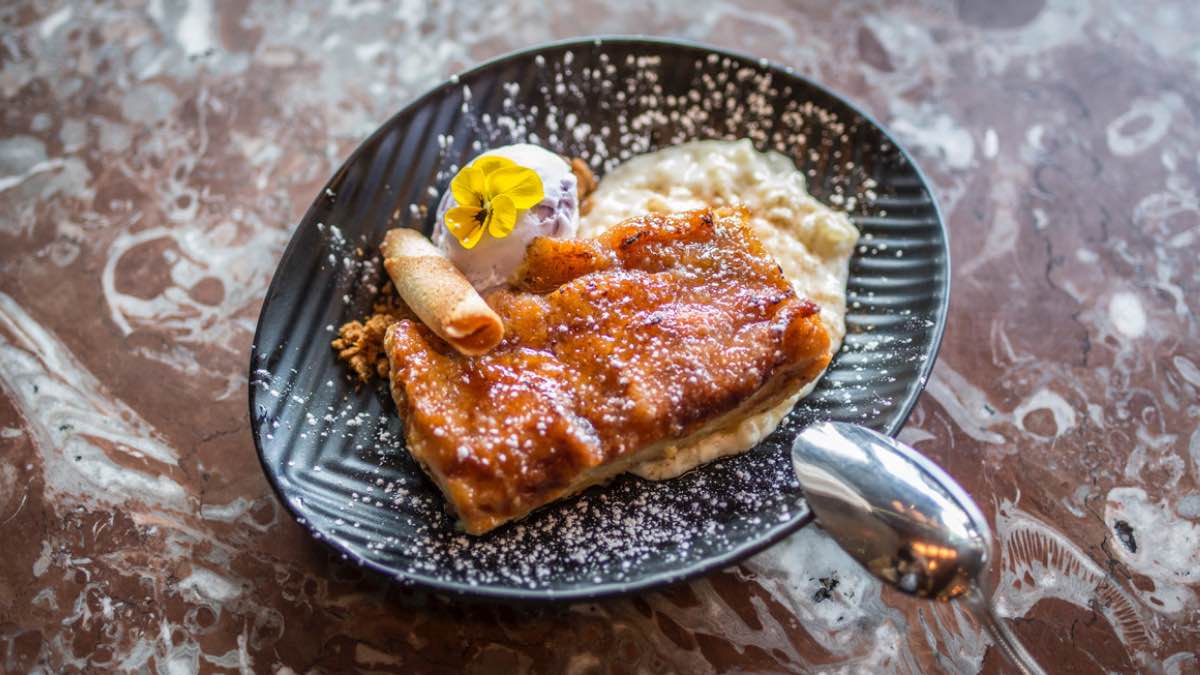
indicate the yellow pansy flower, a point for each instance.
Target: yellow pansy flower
{"x":490,"y":192}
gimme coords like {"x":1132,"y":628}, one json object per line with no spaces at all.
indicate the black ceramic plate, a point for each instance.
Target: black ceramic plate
{"x":334,"y":452}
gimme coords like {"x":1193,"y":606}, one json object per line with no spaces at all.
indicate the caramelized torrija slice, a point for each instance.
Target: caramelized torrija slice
{"x":666,"y":327}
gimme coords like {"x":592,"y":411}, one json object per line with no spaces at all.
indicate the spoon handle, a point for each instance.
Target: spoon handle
{"x":1002,"y":636}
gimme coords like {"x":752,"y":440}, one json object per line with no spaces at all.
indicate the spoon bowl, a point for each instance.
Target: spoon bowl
{"x":892,"y":510}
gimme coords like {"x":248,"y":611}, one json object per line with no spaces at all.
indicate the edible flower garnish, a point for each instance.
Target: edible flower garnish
{"x":490,"y":192}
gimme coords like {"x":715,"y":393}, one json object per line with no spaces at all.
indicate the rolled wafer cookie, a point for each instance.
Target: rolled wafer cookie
{"x":439,"y":294}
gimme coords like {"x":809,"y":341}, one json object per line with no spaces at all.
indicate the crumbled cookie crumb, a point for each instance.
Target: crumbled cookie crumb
{"x":360,"y":343}
{"x":585,"y":182}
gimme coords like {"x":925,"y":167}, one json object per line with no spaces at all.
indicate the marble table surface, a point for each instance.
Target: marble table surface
{"x":153,"y":160}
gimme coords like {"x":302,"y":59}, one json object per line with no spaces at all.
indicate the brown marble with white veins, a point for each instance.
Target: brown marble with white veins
{"x":153,"y":159}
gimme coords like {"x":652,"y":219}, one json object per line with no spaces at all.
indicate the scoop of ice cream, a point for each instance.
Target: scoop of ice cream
{"x":492,"y":260}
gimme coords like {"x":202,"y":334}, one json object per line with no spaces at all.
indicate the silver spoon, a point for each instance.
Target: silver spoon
{"x":903,"y":518}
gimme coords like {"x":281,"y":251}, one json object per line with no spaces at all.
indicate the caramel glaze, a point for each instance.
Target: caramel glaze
{"x":665,"y":327}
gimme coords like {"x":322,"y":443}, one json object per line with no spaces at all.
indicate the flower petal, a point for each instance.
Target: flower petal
{"x":492,"y":163}
{"x":473,"y":237}
{"x":523,"y":186}
{"x":466,"y":223}
{"x":468,"y":186}
{"x":502,"y":217}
